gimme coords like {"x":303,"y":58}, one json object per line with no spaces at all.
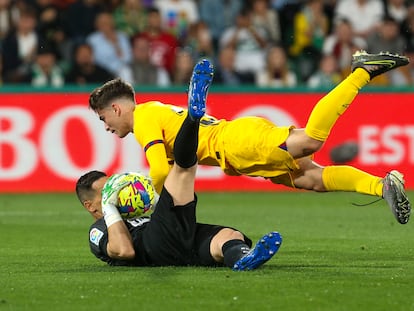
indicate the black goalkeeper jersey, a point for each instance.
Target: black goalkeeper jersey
{"x":171,"y":238}
{"x":98,"y":239}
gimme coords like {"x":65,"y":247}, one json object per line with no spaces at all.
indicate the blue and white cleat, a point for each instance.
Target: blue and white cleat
{"x":197,"y":94}
{"x":265,"y":249}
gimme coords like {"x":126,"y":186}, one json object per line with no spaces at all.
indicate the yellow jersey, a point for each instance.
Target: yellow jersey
{"x":251,"y":146}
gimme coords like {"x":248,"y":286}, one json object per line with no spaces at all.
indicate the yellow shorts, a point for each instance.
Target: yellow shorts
{"x":252,"y":147}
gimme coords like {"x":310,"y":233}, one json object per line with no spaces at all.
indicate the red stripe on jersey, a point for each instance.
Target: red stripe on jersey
{"x":151,"y":143}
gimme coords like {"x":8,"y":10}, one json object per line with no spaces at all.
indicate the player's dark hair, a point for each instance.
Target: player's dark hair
{"x":84,"y":184}
{"x":102,"y":96}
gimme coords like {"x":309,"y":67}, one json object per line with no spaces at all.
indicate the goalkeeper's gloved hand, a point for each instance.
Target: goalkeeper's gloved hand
{"x":110,"y":193}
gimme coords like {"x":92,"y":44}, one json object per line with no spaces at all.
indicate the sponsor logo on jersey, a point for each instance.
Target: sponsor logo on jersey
{"x":138,"y":222}
{"x":95,"y":236}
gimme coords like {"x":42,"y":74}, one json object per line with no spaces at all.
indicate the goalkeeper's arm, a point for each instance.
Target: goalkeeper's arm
{"x":119,"y":239}
{"x":120,"y":242}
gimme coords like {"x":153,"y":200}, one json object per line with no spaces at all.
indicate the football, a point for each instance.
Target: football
{"x":138,"y":197}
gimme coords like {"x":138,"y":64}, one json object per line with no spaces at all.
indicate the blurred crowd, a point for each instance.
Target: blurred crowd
{"x":266,"y":43}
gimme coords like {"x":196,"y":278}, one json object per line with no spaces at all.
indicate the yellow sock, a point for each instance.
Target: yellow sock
{"x":348,"y":178}
{"x":331,"y":106}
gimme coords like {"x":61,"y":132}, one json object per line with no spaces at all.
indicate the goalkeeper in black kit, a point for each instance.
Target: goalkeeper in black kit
{"x":171,"y":236}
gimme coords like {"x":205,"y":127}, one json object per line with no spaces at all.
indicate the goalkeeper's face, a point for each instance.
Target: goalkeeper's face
{"x":95,"y":207}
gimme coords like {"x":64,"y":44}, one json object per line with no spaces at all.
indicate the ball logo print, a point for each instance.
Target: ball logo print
{"x":137,"y":198}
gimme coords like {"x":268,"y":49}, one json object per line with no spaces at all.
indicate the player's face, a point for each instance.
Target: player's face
{"x":96,"y":202}
{"x":114,"y":119}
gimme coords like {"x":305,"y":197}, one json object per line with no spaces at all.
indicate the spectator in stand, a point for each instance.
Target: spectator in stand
{"x":177,"y":16}
{"x":143,"y":72}
{"x":327,"y":76}
{"x":387,"y":38}
{"x":397,"y":9}
{"x":111,"y":48}
{"x":1,"y":69}
{"x":199,"y":41}
{"x":130,"y":17}
{"x":225,"y":72}
{"x":19,"y":48}
{"x":249,"y":43}
{"x":184,"y":64}
{"x":110,"y":5}
{"x":405,"y":77}
{"x":407,"y":28}
{"x":342,"y":44}
{"x":50,"y":27}
{"x":163,"y":44}
{"x":219,"y":15}
{"x":364,"y":15}
{"x":79,"y":19}
{"x":45,"y":71}
{"x":63,"y":4}
{"x":148,"y":3}
{"x":310,"y":29}
{"x":84,"y":70}
{"x":263,"y":16}
{"x":9,"y":15}
{"x":277,"y":72}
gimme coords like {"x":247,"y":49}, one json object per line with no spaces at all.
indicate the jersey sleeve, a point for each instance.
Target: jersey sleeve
{"x":98,"y":240}
{"x":158,"y":163}
{"x":149,"y":134}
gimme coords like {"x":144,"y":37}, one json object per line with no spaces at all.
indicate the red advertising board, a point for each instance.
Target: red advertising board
{"x":48,"y":140}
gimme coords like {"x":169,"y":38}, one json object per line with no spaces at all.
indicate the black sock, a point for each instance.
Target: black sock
{"x":233,"y":250}
{"x":186,"y":143}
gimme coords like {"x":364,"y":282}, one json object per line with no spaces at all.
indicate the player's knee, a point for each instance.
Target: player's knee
{"x":236,"y":235}
{"x":301,"y":145}
{"x":223,"y":236}
{"x":311,"y":146}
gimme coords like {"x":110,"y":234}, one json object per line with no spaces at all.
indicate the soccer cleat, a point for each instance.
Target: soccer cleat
{"x":265,"y":248}
{"x":376,"y":64}
{"x":394,"y":193}
{"x":197,"y":94}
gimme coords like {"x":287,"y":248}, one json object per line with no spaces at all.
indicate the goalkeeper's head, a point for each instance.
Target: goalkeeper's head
{"x":89,"y":191}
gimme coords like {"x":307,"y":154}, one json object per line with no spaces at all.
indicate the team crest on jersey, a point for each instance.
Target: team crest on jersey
{"x":95,"y":236}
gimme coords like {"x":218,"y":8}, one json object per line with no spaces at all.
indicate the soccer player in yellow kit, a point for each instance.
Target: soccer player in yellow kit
{"x":254,"y":146}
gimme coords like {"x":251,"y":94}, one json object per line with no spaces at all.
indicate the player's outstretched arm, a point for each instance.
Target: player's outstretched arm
{"x":158,"y":163}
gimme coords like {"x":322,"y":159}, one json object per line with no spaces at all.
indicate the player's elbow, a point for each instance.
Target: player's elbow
{"x":124,"y":253}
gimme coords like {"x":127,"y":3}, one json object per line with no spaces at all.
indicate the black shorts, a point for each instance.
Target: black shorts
{"x":173,"y":237}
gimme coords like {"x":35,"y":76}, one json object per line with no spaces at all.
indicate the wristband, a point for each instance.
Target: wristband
{"x":111,"y":214}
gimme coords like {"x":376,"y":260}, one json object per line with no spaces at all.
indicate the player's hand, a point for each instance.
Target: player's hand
{"x":110,"y":193}
{"x":111,"y":189}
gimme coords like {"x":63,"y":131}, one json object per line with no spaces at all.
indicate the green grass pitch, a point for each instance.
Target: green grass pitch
{"x":334,"y":256}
